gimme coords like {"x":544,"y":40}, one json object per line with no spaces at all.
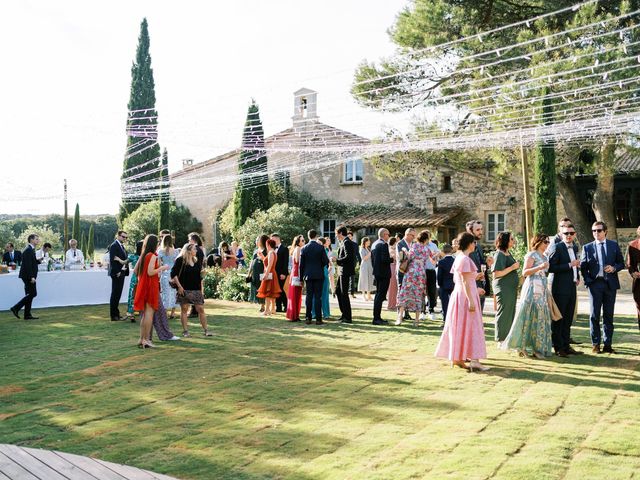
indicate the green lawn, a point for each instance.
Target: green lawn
{"x":267,"y":399}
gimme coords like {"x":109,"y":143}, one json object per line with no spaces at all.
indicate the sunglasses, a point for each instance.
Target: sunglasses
{"x":546,"y":242}
{"x":597,"y":230}
{"x":568,"y":234}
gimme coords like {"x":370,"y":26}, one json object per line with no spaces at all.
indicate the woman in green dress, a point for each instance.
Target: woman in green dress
{"x":531,"y":329}
{"x":505,"y":284}
{"x":133,"y":259}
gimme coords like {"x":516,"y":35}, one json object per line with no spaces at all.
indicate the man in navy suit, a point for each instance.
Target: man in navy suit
{"x":564,"y":263}
{"x":600,"y":263}
{"x":11,"y":255}
{"x":313,"y":259}
{"x":381,"y":262}
{"x":28,"y":274}
{"x":445,"y":278}
{"x":118,"y":270}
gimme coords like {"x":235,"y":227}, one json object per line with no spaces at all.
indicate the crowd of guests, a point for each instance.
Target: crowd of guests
{"x":410,"y":273}
{"x":163,"y":278}
{"x":533,"y":317}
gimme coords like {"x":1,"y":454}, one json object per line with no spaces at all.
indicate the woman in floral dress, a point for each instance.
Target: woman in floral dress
{"x":411,"y":295}
{"x":531,"y":329}
{"x":167,"y":255}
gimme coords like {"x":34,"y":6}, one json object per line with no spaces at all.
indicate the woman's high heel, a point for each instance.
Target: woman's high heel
{"x":458,"y":363}
{"x":476,"y":365}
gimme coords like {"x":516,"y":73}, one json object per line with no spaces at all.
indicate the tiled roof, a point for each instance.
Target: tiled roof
{"x":403,"y":217}
{"x":307,"y":134}
{"x":628,"y":162}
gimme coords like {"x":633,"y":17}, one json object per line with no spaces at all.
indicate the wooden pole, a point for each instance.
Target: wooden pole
{"x":66,"y":214}
{"x":527,"y":199}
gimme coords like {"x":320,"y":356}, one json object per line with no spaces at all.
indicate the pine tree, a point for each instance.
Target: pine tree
{"x":75,"y":233}
{"x":252,"y":189}
{"x":90,"y":241}
{"x":163,"y":219}
{"x":143,"y":151}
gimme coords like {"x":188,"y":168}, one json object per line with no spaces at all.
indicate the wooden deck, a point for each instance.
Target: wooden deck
{"x":18,"y":463}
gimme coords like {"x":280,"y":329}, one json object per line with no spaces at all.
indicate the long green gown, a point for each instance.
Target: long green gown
{"x":506,"y":291}
{"x":531,"y":329}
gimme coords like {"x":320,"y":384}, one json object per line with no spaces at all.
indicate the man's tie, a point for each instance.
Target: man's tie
{"x":603,"y":257}
{"x":12,"y":256}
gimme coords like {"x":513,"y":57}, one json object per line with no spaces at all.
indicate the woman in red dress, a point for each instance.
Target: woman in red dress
{"x":294,"y":298}
{"x":148,"y":289}
{"x":270,"y":288}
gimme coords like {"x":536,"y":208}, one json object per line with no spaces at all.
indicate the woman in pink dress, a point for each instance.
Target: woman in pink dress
{"x":229,"y":259}
{"x":392,"y":294}
{"x":463,"y":334}
{"x":294,"y":298}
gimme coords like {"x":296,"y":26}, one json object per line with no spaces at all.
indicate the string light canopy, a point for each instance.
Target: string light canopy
{"x":495,"y":98}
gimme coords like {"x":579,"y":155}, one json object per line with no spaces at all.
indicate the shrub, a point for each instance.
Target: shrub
{"x":226,"y":284}
{"x":232,"y":286}
{"x":210,"y":282}
{"x":288,"y":221}
{"x":144,"y":220}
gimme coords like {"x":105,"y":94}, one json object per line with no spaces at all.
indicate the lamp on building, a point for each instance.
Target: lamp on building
{"x":512,"y":201}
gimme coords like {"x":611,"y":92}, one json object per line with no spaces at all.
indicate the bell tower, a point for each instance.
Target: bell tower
{"x":305,"y":106}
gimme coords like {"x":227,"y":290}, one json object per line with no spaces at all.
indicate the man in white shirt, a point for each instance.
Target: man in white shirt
{"x":432,"y":290}
{"x":42,"y":255}
{"x":564,"y":264}
{"x":74,"y":255}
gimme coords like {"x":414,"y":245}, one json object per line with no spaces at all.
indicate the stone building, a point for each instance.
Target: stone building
{"x":443,"y":202}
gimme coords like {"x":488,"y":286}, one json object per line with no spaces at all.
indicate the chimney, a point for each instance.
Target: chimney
{"x":430,"y":205}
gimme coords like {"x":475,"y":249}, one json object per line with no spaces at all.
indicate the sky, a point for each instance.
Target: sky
{"x":67,"y":72}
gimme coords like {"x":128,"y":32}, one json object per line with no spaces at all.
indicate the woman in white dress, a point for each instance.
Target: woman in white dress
{"x":365,"y":281}
{"x":167,"y":255}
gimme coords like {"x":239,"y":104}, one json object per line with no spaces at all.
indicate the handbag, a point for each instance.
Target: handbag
{"x":172,"y":282}
{"x":404,"y":261}
{"x":266,"y":276}
{"x":553,"y":308}
{"x":295,"y":281}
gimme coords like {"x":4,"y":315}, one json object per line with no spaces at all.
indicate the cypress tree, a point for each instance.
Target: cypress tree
{"x":90,"y":241}
{"x":163,"y":219}
{"x":143,"y":152}
{"x":83,"y":245}
{"x":544,"y":220}
{"x":252,"y":189}
{"x":75,"y":233}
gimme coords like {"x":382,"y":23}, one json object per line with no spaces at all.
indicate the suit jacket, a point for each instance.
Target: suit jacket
{"x":380,"y":259}
{"x":479,"y":259}
{"x":444,"y":275}
{"x":633,"y":257}
{"x":347,"y":257}
{"x":29,"y":268}
{"x":115,"y":250}
{"x":313,"y":259}
{"x":559,"y":265}
{"x":17,"y":257}
{"x":282,"y":262}
{"x":590,"y":267}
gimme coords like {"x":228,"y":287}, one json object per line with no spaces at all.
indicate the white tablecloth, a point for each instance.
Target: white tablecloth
{"x":61,"y":289}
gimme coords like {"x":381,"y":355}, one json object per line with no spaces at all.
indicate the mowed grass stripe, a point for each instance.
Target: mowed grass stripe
{"x":265,"y":398}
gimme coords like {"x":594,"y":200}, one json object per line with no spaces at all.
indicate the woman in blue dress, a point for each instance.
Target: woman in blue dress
{"x":530,"y":333}
{"x":133,"y":259}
